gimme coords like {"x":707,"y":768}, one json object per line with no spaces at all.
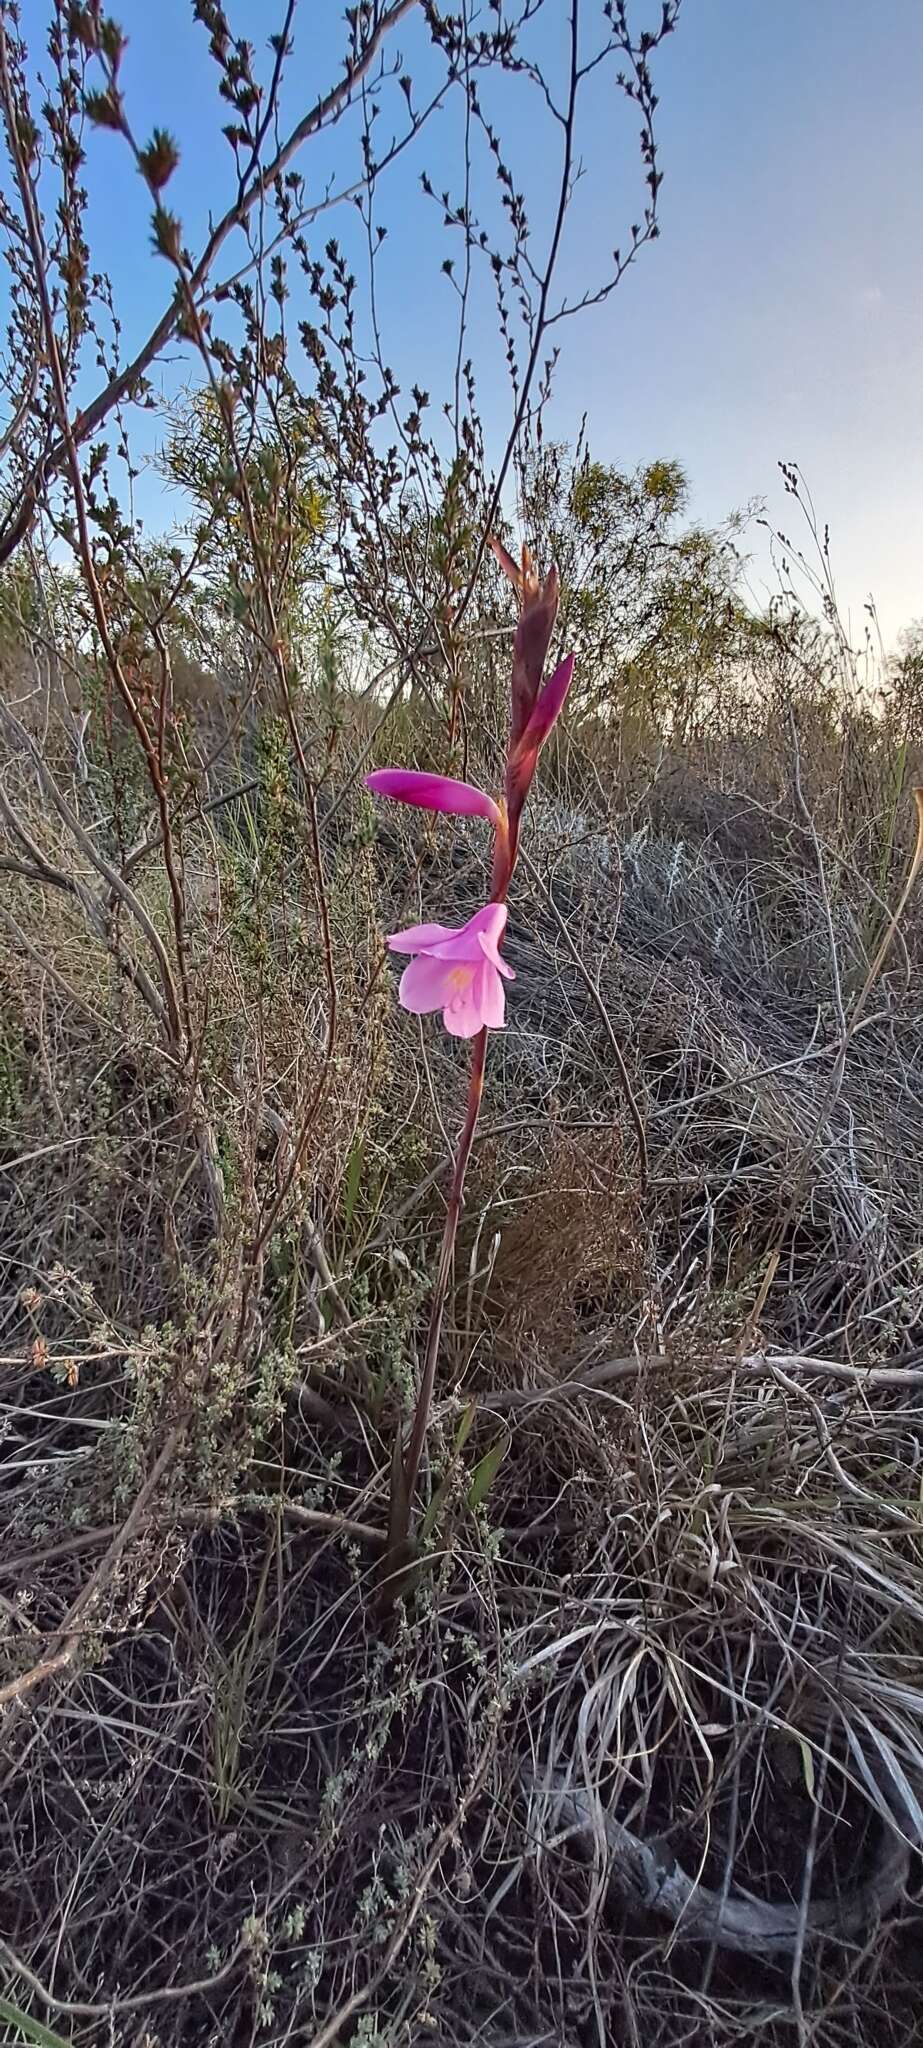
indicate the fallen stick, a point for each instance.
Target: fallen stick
{"x":647,"y":1874}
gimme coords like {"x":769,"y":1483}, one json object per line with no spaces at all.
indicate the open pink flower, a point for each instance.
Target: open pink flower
{"x":457,"y":971}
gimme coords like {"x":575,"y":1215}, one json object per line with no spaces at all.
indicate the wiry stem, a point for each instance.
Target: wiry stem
{"x":504,"y":861}
{"x":453,"y":1214}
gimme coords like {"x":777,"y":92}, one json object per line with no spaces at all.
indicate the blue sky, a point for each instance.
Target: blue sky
{"x":779,"y":316}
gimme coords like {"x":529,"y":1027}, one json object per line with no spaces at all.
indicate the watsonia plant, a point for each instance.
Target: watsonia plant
{"x":461,"y":971}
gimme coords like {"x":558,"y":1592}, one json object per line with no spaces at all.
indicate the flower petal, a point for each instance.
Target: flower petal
{"x":462,"y":1015}
{"x":420,"y":938}
{"x":497,"y":962}
{"x":490,"y":925}
{"x":491,"y":997}
{"x":467,"y":942}
{"x":427,"y":984}
{"x":433,"y":793}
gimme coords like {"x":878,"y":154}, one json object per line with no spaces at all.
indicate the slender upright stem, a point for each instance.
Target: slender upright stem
{"x":456,"y":1198}
{"x":503,"y":862}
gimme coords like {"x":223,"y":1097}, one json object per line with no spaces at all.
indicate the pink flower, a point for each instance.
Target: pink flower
{"x":457,"y":971}
{"x":433,"y":793}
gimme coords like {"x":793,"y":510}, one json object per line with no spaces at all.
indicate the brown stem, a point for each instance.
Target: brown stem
{"x":564,"y":194}
{"x":32,"y":220}
{"x":280,"y":663}
{"x":456,"y":1198}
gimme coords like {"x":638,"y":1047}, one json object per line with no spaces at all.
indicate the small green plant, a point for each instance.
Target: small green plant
{"x":27,"y":2029}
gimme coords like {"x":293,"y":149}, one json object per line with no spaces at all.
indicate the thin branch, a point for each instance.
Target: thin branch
{"x":122,"y":386}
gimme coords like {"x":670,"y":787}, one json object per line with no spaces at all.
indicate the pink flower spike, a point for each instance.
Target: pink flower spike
{"x":433,"y":793}
{"x":458,"y":971}
{"x":550,"y":703}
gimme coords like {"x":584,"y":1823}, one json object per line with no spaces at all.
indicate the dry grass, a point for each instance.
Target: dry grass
{"x":688,"y":1591}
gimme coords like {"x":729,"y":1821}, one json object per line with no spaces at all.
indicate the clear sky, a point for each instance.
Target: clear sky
{"x":779,"y":316}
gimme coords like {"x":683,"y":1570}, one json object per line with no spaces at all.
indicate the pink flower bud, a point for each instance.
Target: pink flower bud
{"x":433,"y":793}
